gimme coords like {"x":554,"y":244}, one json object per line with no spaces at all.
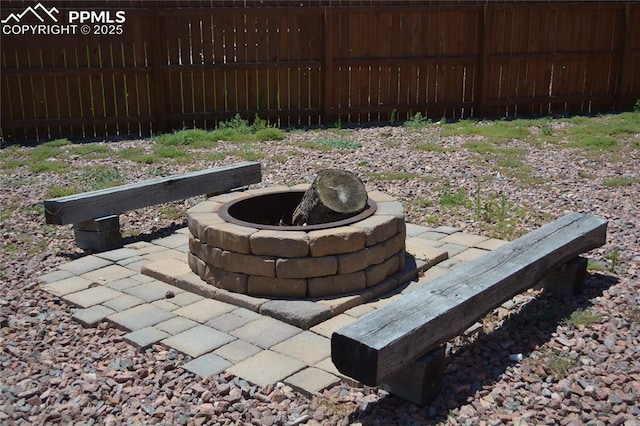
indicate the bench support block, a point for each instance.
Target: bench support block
{"x":420,"y":381}
{"x":100,"y":234}
{"x":566,"y":280}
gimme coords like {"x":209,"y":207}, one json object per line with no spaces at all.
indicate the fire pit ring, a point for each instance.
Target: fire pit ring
{"x":230,"y":249}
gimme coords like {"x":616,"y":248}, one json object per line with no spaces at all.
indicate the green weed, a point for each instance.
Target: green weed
{"x":44,"y":166}
{"x":449,"y":198}
{"x":621,"y":181}
{"x":138,"y":155}
{"x":598,"y":143}
{"x":56,"y":143}
{"x":91,"y":150}
{"x":433,"y":147}
{"x":269,"y":134}
{"x":337,"y":142}
{"x":388,"y":176}
{"x":582,"y":317}
{"x":60,"y":191}
{"x":101,"y":177}
{"x":560,"y":365}
{"x":169,"y":151}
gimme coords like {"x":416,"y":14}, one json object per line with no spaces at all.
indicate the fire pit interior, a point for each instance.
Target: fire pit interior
{"x":241,"y":242}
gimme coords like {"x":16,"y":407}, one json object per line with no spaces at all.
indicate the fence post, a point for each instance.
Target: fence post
{"x":327,"y":66}
{"x":157,"y":86}
{"x":483,"y":79}
{"x":623,"y":88}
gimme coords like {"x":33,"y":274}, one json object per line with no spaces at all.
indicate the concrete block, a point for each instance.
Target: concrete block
{"x":378,"y":228}
{"x":327,"y":328}
{"x":85,"y":264}
{"x":280,"y":244}
{"x":176,"y":325}
{"x":359,"y":260}
{"x":231,"y":281}
{"x":276,"y":287}
{"x":101,"y":234}
{"x":207,"y":206}
{"x":248,"y":264}
{"x":377,"y":273}
{"x":123,"y":302}
{"x":306,"y":267}
{"x":229,"y":236}
{"x":227,"y":322}
{"x":337,"y":284}
{"x":152,"y":291}
{"x":166,"y":270}
{"x":199,"y":221}
{"x":344,"y":239}
{"x":391,"y":208}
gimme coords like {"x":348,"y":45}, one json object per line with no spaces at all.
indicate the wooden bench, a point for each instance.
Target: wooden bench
{"x":94,"y":214}
{"x":399,"y":346}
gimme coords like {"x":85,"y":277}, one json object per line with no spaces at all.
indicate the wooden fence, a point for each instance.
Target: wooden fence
{"x":172,"y":65}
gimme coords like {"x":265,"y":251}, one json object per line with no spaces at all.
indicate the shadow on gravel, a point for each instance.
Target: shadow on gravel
{"x":480,"y":364}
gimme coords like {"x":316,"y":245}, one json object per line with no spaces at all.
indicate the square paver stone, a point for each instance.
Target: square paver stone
{"x":85,"y":264}
{"x":145,"y":336}
{"x":227,"y":322}
{"x":207,"y":365}
{"x":265,"y":332}
{"x":123,"y":302}
{"x":311,"y":380}
{"x":198,"y":340}
{"x":237,"y":351}
{"x":108,"y":274}
{"x":266,"y":367}
{"x":123,"y":283}
{"x":176,"y":325}
{"x":173,"y":241}
{"x":307,"y":346}
{"x":140,"y":316}
{"x":205,"y":309}
{"x":186,"y":298}
{"x":67,"y":286}
{"x":327,"y":327}
{"x":118,"y":254}
{"x":55,"y":276}
{"x":91,"y":296}
{"x":152,"y":291}
{"x":93,"y":315}
{"x":464,"y":239}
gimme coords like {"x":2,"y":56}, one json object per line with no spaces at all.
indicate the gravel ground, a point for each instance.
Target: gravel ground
{"x":576,"y":369}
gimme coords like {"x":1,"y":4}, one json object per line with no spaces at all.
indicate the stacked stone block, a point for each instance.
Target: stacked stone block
{"x":294,"y":263}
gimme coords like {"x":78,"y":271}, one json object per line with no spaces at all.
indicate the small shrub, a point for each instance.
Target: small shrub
{"x":417,"y":121}
{"x":101,"y":177}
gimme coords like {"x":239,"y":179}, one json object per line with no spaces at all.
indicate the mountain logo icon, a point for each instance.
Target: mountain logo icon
{"x":38,"y":11}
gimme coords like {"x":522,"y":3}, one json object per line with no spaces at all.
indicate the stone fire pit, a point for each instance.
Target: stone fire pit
{"x":236,"y":244}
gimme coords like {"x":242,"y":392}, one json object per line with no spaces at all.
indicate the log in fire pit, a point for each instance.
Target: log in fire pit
{"x":240,"y":242}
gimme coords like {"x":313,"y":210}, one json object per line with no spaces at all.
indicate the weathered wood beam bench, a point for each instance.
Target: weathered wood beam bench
{"x":399,"y":346}
{"x":94,"y":214}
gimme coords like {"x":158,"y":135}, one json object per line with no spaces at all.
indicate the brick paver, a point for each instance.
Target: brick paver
{"x":227,"y":333}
